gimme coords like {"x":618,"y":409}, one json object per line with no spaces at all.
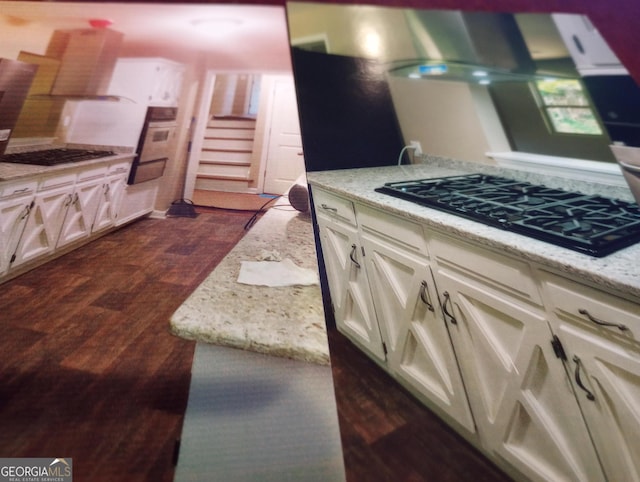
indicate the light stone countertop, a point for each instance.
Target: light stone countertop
{"x":618,"y":272}
{"x":282,"y":321}
{"x":15,"y":172}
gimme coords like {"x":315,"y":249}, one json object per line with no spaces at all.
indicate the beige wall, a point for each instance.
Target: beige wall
{"x":444,"y":117}
{"x":17,"y":35}
{"x":448,"y":118}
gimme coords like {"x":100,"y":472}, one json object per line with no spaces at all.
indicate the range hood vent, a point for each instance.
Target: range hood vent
{"x":474,"y":47}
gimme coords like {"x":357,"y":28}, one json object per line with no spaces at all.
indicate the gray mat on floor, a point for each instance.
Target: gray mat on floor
{"x":254,"y":417}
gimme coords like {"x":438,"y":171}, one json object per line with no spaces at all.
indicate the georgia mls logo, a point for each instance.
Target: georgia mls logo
{"x":63,"y":469}
{"x":36,"y":470}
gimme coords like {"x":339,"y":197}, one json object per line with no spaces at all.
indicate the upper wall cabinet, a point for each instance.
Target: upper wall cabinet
{"x":589,"y":50}
{"x":149,"y":81}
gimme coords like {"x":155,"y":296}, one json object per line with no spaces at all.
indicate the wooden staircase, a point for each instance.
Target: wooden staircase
{"x":227,"y":152}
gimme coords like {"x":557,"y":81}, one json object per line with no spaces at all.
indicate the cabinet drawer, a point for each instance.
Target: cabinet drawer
{"x":504,"y":275}
{"x":50,"y":182}
{"x":589,"y":307}
{"x":396,"y":230}
{"x":333,"y":206}
{"x":92,"y":172}
{"x":119,"y":168}
{"x":18,"y":188}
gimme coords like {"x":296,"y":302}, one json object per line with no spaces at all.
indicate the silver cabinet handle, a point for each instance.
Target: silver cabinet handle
{"x":629,"y":167}
{"x":596,"y":321}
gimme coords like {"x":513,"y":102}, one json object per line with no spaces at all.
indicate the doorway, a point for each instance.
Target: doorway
{"x":246,"y":136}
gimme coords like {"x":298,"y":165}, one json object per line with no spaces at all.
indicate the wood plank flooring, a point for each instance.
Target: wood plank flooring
{"x":387,"y":435}
{"x":88,"y":369}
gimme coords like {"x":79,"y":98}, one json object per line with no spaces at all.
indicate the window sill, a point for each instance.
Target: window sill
{"x":578,"y":169}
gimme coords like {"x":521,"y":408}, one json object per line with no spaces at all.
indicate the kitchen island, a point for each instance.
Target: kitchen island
{"x":286,"y":321}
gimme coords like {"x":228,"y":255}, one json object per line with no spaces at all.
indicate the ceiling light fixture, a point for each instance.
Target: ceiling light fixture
{"x":215,"y":22}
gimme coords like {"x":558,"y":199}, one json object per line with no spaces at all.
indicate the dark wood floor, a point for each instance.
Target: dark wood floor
{"x":88,"y":369}
{"x":387,"y":435}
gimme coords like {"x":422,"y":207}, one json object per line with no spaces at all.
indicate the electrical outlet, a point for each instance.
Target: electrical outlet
{"x":417,"y":148}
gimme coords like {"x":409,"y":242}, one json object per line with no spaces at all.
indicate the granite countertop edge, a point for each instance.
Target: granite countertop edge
{"x":285,"y":321}
{"x":618,"y":272}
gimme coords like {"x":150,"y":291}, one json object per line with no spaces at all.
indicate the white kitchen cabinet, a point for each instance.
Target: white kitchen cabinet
{"x":138,"y":200}
{"x":520,"y":395}
{"x":111,"y":197}
{"x":419,"y":350}
{"x":350,"y":296}
{"x":41,"y":215}
{"x":148,"y":81}
{"x":550,"y":363}
{"x":81,"y":211}
{"x":55,"y":194}
{"x":16,"y":202}
{"x":600,"y":335}
{"x":589,"y":50}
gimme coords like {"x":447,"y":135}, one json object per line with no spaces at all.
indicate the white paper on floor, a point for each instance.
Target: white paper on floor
{"x":276,"y":273}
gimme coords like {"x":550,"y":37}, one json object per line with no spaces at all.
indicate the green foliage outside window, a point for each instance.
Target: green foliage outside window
{"x":567,"y":107}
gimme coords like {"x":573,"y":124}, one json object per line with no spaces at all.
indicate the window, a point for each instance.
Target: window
{"x":566,"y":107}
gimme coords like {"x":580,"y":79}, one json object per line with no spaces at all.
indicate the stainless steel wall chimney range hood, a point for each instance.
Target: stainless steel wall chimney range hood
{"x":472,"y":47}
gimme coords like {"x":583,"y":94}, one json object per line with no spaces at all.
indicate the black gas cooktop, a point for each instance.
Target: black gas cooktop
{"x":593,"y":225}
{"x":52,"y":157}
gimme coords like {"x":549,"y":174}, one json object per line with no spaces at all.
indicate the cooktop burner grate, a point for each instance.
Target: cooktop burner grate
{"x":52,"y":157}
{"x":593,"y":225}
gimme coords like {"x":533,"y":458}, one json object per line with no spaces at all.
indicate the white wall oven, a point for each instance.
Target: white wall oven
{"x":155,"y":144}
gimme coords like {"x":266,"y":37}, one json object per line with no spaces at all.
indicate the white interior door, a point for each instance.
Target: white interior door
{"x":285,"y":161}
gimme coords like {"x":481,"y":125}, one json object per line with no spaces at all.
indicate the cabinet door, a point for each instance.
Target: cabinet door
{"x":13,"y":217}
{"x":603,"y":332}
{"x":606,"y":376}
{"x":586,"y":45}
{"x":81,"y":212}
{"x":519,"y":393}
{"x":109,"y":205}
{"x":167,"y":84}
{"x":419,"y":349}
{"x":43,"y":225}
{"x":348,"y":284}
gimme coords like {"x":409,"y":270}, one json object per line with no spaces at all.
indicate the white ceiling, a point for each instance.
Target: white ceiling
{"x":245,"y":32}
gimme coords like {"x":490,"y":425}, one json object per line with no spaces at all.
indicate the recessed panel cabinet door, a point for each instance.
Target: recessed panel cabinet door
{"x":110,"y":199}
{"x":81,"y":213}
{"x":349,"y":287}
{"x":601,"y":337}
{"x":520,"y":395}
{"x":13,"y":216}
{"x":606,"y":375}
{"x":43,"y":224}
{"x":419,"y":349}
